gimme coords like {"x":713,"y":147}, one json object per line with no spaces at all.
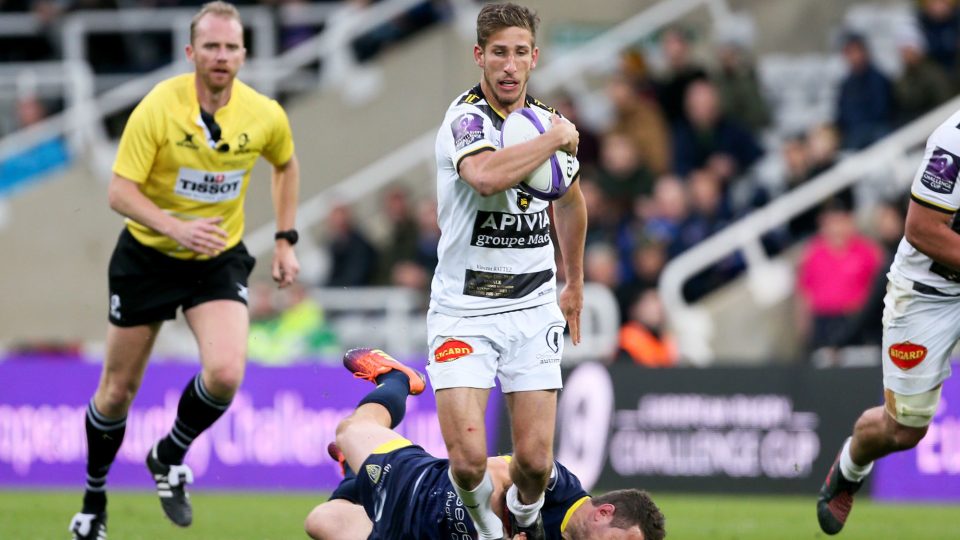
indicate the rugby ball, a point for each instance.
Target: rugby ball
{"x":553,"y":177}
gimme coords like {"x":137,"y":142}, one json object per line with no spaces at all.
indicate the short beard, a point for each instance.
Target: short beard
{"x":497,"y":97}
{"x":216,"y":89}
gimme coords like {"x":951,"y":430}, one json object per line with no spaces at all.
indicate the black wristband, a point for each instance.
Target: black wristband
{"x":290,"y":236}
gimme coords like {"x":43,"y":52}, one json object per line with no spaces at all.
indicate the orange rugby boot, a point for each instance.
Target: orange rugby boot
{"x":369,"y":364}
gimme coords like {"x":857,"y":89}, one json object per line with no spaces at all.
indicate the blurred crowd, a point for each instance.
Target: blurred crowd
{"x":677,"y":165}
{"x":674,"y":163}
{"x":133,"y":53}
{"x":127,"y":52}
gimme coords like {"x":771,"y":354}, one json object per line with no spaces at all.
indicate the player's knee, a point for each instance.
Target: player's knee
{"x":346,"y":426}
{"x":223,"y":381}
{"x":343,"y":427}
{"x":905,"y":438}
{"x":534,"y":463}
{"x":115,"y":397}
{"x":468,"y":471}
{"x":318,"y":524}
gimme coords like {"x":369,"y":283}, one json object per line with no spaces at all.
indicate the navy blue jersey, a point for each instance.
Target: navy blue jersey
{"x":408,"y":495}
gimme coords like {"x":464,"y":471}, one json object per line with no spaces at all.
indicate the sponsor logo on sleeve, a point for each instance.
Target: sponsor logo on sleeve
{"x":940,"y":175}
{"x":907,"y":355}
{"x":467,"y":129}
{"x":450,"y":350}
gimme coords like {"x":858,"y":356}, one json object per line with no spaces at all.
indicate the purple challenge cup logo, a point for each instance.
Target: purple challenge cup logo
{"x":941,"y":173}
{"x":467,"y":129}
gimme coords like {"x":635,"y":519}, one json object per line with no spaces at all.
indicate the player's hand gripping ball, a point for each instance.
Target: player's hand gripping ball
{"x":551,"y":179}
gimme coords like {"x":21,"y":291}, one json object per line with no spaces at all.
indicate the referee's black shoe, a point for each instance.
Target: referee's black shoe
{"x":171,"y":482}
{"x":89,"y":526}
{"x":533,"y":532}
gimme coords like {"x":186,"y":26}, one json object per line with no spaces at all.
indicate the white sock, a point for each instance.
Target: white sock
{"x":526,"y":514}
{"x":478,"y":506}
{"x":850,"y":470}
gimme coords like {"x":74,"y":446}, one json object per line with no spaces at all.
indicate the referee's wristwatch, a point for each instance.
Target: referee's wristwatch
{"x":289,"y":235}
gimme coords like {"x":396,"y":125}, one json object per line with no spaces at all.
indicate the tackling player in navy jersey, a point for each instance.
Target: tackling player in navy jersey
{"x":399,"y":491}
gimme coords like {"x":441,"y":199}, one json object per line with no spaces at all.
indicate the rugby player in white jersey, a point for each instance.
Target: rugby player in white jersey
{"x":494,"y":309}
{"x":921,"y":325}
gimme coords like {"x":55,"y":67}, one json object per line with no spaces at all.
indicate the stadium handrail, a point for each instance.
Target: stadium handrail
{"x":558,"y":73}
{"x":20,"y":24}
{"x":84,"y":109}
{"x":395,"y":309}
{"x":691,"y":324}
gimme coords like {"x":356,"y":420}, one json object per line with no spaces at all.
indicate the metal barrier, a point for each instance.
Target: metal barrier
{"x":267,"y":71}
{"x":692,"y":324}
{"x":564,"y":71}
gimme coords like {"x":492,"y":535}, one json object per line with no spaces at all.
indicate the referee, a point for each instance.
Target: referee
{"x":180,"y":179}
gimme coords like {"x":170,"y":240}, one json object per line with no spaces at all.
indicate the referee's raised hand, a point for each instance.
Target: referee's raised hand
{"x":202,"y":235}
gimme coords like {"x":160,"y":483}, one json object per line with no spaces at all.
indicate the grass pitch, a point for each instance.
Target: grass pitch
{"x":43,"y":515}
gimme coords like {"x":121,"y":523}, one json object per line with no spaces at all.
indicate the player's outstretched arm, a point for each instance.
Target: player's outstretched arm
{"x":285,"y":188}
{"x":570,"y":216}
{"x":200,"y":235}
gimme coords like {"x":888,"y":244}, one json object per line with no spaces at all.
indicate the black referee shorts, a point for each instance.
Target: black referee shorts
{"x":147,"y":286}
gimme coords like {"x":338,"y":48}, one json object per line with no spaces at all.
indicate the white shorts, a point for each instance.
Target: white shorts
{"x":522,"y":348}
{"x":919,"y":333}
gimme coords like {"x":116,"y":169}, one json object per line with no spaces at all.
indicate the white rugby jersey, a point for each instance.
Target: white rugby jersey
{"x":934,"y":186}
{"x":495,"y":252}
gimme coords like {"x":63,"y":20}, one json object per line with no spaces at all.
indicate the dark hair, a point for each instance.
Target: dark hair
{"x":496,"y":17}
{"x":634,"y":507}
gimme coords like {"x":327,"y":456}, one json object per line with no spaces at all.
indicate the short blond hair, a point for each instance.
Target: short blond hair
{"x":218,"y":8}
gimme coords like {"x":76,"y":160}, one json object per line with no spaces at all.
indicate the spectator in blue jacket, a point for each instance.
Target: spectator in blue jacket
{"x":940,"y":23}
{"x":711,"y":139}
{"x":865,"y":108}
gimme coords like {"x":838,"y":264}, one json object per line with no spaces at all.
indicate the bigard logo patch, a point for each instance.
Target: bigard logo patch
{"x":373,"y":471}
{"x":907,"y":355}
{"x":450,"y":350}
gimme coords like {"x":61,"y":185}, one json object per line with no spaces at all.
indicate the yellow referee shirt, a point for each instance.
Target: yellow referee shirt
{"x":167,"y":150}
